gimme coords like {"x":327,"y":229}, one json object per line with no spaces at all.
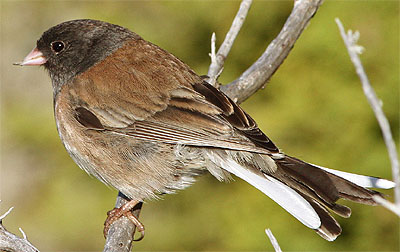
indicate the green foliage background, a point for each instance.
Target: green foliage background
{"x":313,"y":108}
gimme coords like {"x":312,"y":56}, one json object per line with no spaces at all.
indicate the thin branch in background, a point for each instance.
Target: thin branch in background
{"x":23,"y":233}
{"x":5,"y":214}
{"x":10,"y":242}
{"x":257,"y":75}
{"x":273,"y":240}
{"x":212,"y":77}
{"x":350,"y":40}
{"x":387,"y":204}
{"x":218,"y":60}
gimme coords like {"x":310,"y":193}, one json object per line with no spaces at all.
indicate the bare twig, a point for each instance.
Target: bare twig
{"x":217,"y":60}
{"x":5,"y":214}
{"x":261,"y":71}
{"x":23,"y":233}
{"x":350,"y":40}
{"x":12,"y":243}
{"x":273,"y":240}
{"x":121,"y":232}
{"x":387,"y":204}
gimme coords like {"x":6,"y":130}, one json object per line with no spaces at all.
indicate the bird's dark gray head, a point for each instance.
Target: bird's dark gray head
{"x":72,"y":47}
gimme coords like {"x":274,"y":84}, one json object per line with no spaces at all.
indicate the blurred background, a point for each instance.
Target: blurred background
{"x":313,"y":108}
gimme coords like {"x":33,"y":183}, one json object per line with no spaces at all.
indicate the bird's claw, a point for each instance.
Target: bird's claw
{"x":124,"y":210}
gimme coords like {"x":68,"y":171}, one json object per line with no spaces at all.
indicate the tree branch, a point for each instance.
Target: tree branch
{"x":256,"y":76}
{"x":350,"y":40}
{"x":218,"y":60}
{"x":10,"y":242}
{"x":121,"y":232}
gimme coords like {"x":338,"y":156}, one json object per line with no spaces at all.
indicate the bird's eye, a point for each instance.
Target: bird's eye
{"x":57,"y":46}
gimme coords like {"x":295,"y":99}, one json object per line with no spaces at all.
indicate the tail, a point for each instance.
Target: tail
{"x":307,"y":191}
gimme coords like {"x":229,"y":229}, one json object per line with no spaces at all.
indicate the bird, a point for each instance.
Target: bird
{"x":142,"y":121}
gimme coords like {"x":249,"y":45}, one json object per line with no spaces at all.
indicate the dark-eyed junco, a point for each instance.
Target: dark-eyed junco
{"x":139,"y":119}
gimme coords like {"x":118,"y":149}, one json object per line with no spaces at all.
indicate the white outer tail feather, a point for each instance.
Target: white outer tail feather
{"x":286,"y":197}
{"x":361,"y":180}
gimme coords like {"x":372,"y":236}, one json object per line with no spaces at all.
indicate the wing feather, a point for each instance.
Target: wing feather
{"x":161,"y":88}
{"x":161,"y":132}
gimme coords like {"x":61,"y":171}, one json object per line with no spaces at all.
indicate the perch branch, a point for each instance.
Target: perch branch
{"x":10,"y":242}
{"x":121,"y":232}
{"x":256,"y":76}
{"x":350,"y":40}
{"x":218,"y":60}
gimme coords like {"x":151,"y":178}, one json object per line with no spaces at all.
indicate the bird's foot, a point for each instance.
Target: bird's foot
{"x":124,"y":210}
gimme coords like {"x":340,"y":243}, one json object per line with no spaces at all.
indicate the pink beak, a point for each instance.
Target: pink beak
{"x":34,"y":58}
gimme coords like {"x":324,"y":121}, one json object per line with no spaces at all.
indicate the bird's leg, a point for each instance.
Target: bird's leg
{"x":124,"y":210}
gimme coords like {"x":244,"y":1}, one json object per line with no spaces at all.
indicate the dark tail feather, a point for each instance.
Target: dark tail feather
{"x":322,"y":189}
{"x":330,"y":228}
